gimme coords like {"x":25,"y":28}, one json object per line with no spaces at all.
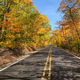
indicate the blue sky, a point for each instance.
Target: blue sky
{"x":49,"y":8}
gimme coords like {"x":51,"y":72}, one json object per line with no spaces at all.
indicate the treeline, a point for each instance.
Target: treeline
{"x":68,"y":34}
{"x":21,"y":25}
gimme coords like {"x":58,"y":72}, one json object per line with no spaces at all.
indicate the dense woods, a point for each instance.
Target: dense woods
{"x":68,"y":34}
{"x":21,"y":25}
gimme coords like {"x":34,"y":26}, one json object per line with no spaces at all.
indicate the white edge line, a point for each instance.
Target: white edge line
{"x":69,"y":53}
{"x":19,"y":60}
{"x":14,"y":63}
{"x":73,"y":55}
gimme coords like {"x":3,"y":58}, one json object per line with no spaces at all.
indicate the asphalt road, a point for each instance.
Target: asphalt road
{"x":50,"y":63}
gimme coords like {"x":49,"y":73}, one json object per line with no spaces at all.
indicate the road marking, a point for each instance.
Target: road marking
{"x":68,"y":52}
{"x":20,"y":60}
{"x":14,"y":63}
{"x":49,"y":75}
{"x":48,"y":59}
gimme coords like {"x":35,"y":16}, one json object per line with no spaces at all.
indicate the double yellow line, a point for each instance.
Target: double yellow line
{"x":48,"y":59}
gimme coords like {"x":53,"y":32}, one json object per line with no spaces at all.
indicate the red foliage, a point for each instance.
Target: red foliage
{"x":11,"y":28}
{"x":9,"y":16}
{"x":5,"y":23}
{"x":64,"y":42}
{"x":28,"y":12}
{"x":15,"y":29}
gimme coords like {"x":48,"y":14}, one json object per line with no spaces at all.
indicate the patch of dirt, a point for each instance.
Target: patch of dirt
{"x":7,"y":56}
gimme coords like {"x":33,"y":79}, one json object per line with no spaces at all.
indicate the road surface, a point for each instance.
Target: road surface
{"x":50,"y":63}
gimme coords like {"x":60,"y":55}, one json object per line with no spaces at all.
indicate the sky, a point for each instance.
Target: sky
{"x":49,"y":8}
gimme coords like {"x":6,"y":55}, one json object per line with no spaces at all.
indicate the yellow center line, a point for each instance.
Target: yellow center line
{"x":49,"y":75}
{"x":49,"y":55}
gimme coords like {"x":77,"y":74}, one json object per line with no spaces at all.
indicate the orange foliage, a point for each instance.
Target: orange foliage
{"x":28,"y":12}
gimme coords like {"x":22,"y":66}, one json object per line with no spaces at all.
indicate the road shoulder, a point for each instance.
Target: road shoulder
{"x":5,"y":66}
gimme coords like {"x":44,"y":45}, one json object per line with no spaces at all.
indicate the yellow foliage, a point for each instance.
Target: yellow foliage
{"x":16,"y":1}
{"x":33,"y":24}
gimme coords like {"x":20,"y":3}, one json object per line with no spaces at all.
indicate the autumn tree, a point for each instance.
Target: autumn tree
{"x":69,"y":25}
{"x":23,"y":26}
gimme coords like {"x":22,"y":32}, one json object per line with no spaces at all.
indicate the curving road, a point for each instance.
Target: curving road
{"x":50,"y":63}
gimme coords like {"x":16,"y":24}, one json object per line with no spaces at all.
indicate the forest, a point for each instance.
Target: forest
{"x":67,"y":36}
{"x":21,"y":25}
